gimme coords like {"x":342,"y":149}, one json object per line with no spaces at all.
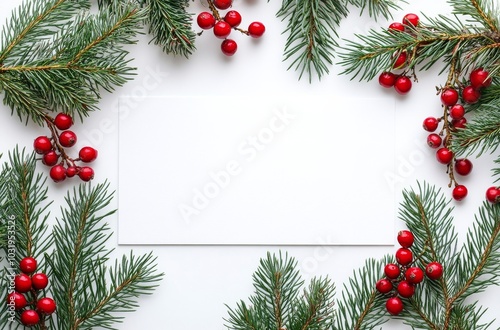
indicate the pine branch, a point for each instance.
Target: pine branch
{"x":65,"y":70}
{"x":311,"y":33}
{"x":482,"y":11}
{"x":170,"y":25}
{"x":376,"y":8}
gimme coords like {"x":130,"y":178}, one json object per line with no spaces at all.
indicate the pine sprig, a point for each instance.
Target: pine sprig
{"x":483,"y":11}
{"x":65,"y":67}
{"x":376,"y":8}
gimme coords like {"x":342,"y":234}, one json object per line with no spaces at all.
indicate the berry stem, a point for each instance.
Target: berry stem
{"x":53,"y":131}
{"x":214,"y":10}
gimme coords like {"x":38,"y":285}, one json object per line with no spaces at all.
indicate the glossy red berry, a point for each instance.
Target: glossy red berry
{"x":86,"y":173}
{"x":222,"y":4}
{"x":493,"y":195}
{"x":256,"y":29}
{"x":457,"y":111}
{"x":67,"y":139}
{"x":384,"y":285}
{"x":470,"y":95}
{"x":480,"y":78}
{"x":402,"y":85}
{"x":233,"y":18}
{"x":387,"y":79}
{"x":444,"y":155}
{"x":39,"y":281}
{"x":430,"y":124}
{"x":16,"y":299}
{"x":58,"y":173}
{"x":404,"y":256}
{"x":63,"y":121}
{"x":406,"y":289}
{"x":414,"y":275}
{"x":434,"y":270}
{"x":392,"y":271}
{"x":449,"y":97}
{"x":400,"y":60}
{"x":459,"y":123}
{"x":28,"y":265}
{"x":411,"y":19}
{"x":22,"y":283}
{"x":394,"y":305}
{"x":463,"y":166}
{"x":396,"y":26}
{"x":30,"y":318}
{"x":459,"y":192}
{"x":229,"y":47}
{"x":50,"y":158}
{"x":42,"y":145}
{"x":72,"y":171}
{"x":222,"y":29}
{"x":46,"y":305}
{"x":205,"y":20}
{"x":434,"y":140}
{"x":87,"y":154}
{"x":405,"y":238}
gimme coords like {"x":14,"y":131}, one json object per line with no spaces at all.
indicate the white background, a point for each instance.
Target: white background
{"x":199,"y":280}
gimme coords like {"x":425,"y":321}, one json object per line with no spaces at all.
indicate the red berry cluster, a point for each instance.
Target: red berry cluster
{"x":33,"y":309}
{"x":454,"y":100}
{"x":402,"y":277}
{"x":400,"y":82}
{"x":223,"y":25}
{"x":54,"y":153}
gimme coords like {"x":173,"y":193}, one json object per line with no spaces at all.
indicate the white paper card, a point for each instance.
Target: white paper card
{"x":287,"y":170}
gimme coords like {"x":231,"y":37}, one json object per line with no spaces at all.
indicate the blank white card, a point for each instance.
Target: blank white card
{"x":287,"y":170}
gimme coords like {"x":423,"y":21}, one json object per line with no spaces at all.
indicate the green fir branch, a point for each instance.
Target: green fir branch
{"x":376,"y":8}
{"x":170,"y":24}
{"x":311,"y":30}
{"x":484,"y":12}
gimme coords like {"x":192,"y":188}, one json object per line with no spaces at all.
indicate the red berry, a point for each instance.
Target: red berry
{"x":17,"y":300}
{"x":394,"y":305}
{"x":384,"y":286}
{"x":434,"y":141}
{"x":404,"y":256}
{"x":222,"y":4}
{"x":402,"y":85}
{"x":449,"y":97}
{"x":22,"y":283}
{"x":480,"y":78}
{"x":72,"y":171}
{"x":459,"y":192}
{"x":396,"y":26}
{"x":42,"y":145}
{"x":256,"y":29}
{"x":58,"y":173}
{"x":493,"y":195}
{"x":39,"y":281}
{"x":411,"y":19}
{"x":67,"y":139}
{"x":459,"y":123}
{"x":434,"y":270}
{"x":400,"y":60}
{"x":233,"y":18}
{"x":63,"y":121}
{"x":470,"y":95}
{"x":430,"y":124}
{"x":406,"y":238}
{"x":387,"y":79}
{"x":222,"y":29}
{"x":414,"y":275}
{"x":444,"y":155}
{"x":463,"y":166}
{"x":406,"y":289}
{"x":205,"y":20}
{"x":229,"y":47}
{"x":46,"y":305}
{"x":457,"y":111}
{"x":50,"y":158}
{"x":392,"y":271}
{"x":30,"y":317}
{"x":87,"y":154}
{"x":86,"y":173}
{"x":28,"y":265}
